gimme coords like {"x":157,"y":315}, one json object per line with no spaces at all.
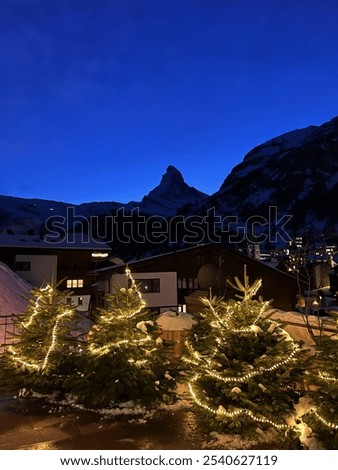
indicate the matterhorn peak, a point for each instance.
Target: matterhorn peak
{"x":172,"y":192}
{"x":172,"y":177}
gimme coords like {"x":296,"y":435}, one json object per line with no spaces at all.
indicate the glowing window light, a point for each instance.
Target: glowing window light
{"x":74,"y":283}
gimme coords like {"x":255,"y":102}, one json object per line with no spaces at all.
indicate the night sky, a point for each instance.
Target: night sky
{"x":98,"y":97}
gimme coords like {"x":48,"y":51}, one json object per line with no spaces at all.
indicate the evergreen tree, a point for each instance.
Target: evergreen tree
{"x":244,"y":366}
{"x":42,"y":355}
{"x":323,"y":391}
{"x":124,"y":358}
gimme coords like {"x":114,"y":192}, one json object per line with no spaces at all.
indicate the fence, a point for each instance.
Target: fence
{"x":8,"y":331}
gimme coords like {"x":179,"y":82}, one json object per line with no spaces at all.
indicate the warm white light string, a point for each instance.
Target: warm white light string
{"x":262,"y":370}
{"x":52,"y":346}
{"x":134,"y":287}
{"x":101,"y":350}
{"x":231,"y":414}
{"x":327,"y":377}
{"x":324,"y":421}
{"x":54,"y":337}
{"x":199,"y":360}
{"x":36,"y":306}
{"x":21,"y":361}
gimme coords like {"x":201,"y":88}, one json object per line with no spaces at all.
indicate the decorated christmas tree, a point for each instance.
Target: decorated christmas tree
{"x":124,"y":358}
{"x":44,"y":346}
{"x":322,"y":381}
{"x":244,"y":367}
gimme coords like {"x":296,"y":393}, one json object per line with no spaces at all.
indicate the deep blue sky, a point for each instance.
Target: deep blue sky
{"x":98,"y":97}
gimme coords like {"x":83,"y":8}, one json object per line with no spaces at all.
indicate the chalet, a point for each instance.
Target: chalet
{"x":69,"y":262}
{"x":181,"y":277}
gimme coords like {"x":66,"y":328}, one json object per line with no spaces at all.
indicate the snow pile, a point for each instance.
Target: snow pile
{"x":295,"y":325}
{"x":14,"y":292}
{"x":237,"y":442}
{"x":172,"y":321}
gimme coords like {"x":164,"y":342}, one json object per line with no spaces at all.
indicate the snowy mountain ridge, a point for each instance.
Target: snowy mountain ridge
{"x":21,"y":215}
{"x":297,"y":172}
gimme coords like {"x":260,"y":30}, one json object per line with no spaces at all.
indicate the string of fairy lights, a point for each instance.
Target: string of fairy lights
{"x":233,"y":413}
{"x":49,"y":289}
{"x":43,"y":365}
{"x":142,"y":302}
{"x":327,"y":377}
{"x":207,"y":363}
{"x":134,"y":310}
{"x":105,"y":349}
{"x":200,"y":360}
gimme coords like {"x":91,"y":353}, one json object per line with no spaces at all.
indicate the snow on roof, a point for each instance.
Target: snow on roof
{"x":14,"y":292}
{"x":75,"y":241}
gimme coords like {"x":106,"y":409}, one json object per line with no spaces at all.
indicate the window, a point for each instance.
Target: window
{"x":74,"y":283}
{"x":22,"y":266}
{"x":80,"y":300}
{"x":188,"y":283}
{"x":148,"y":285}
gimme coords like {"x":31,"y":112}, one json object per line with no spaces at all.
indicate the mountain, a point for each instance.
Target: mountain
{"x":297,"y":172}
{"x":171,"y":194}
{"x":21,"y":215}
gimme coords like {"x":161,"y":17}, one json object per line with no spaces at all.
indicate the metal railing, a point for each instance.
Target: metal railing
{"x":9,"y":332}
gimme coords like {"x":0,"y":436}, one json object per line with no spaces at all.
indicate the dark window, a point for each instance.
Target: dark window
{"x":22,"y":266}
{"x":148,"y":285}
{"x":80,"y":300}
{"x":187,"y":283}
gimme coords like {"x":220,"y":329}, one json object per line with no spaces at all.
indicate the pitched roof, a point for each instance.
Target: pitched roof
{"x":76,"y":241}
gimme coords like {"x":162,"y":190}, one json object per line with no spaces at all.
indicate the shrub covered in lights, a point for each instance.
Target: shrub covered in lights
{"x":124,"y":358}
{"x":44,"y":350}
{"x":244,"y":367}
{"x":323,"y":391}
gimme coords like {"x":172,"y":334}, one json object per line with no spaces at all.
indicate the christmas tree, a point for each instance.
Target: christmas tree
{"x":42,"y":354}
{"x":244,"y":366}
{"x":124,"y":358}
{"x":323,"y":391}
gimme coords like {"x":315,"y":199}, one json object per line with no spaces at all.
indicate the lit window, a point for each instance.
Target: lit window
{"x":148,"y":285}
{"x":74,"y":283}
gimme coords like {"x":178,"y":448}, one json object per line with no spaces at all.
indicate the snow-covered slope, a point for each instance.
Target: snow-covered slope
{"x":14,"y":292}
{"x":297,"y":172}
{"x":30,"y":215}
